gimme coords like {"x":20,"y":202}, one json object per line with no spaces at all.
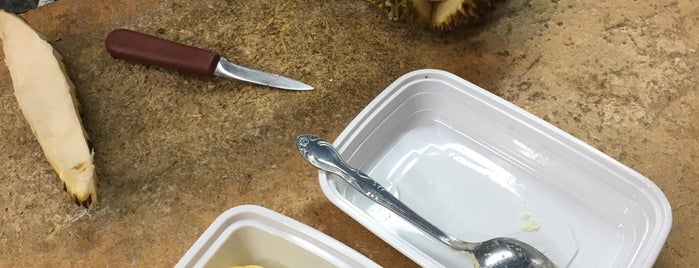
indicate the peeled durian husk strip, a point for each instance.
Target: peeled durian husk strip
{"x":446,"y":12}
{"x":47,"y":99}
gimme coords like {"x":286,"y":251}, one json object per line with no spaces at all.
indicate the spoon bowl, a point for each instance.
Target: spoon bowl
{"x":501,"y":252}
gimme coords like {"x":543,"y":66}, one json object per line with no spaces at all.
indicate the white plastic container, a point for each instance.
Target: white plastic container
{"x":479,"y":167}
{"x":249,"y":234}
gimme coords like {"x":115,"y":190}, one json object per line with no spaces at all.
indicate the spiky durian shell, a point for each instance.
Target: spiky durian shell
{"x":437,"y":13}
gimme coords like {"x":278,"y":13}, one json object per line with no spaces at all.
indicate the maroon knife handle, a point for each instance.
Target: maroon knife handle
{"x":151,"y":50}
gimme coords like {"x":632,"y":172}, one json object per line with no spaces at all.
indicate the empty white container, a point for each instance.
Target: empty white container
{"x":479,"y":167}
{"x":253,"y":235}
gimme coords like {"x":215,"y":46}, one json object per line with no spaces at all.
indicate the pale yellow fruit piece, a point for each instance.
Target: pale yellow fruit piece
{"x":46,"y":97}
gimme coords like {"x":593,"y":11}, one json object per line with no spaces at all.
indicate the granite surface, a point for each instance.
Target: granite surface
{"x":173,"y":151}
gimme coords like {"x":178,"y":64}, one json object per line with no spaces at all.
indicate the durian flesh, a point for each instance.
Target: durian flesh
{"x":46,"y":97}
{"x":437,"y":13}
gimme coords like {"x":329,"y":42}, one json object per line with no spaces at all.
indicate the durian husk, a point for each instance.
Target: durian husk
{"x":46,"y":96}
{"x":437,"y":13}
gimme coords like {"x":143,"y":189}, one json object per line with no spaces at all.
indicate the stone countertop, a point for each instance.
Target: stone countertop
{"x":173,"y":151}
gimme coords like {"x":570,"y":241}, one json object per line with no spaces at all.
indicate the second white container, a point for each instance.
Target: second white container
{"x":479,"y":167}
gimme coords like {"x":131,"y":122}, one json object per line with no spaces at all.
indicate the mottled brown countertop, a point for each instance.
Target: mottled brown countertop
{"x":173,"y":151}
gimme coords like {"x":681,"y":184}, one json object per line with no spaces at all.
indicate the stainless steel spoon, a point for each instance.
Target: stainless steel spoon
{"x":498,"y":252}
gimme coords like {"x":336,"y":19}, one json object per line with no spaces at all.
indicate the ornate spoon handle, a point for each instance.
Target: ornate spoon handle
{"x":321,"y":154}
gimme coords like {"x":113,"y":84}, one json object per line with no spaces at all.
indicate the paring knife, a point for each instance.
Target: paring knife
{"x":150,"y":50}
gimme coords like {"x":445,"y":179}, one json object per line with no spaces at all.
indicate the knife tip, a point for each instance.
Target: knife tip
{"x":301,"y":87}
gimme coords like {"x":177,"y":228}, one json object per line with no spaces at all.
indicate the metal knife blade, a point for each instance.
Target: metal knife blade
{"x":150,"y":50}
{"x":225,"y":68}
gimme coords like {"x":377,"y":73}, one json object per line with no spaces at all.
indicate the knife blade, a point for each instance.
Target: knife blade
{"x":150,"y":50}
